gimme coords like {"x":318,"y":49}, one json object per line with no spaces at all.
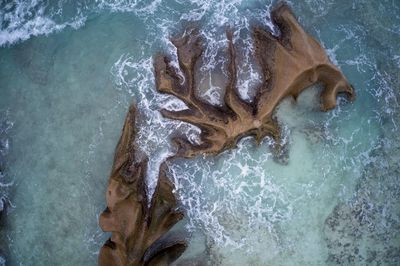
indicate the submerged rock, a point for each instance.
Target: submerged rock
{"x":365,"y":229}
{"x":289,"y":64}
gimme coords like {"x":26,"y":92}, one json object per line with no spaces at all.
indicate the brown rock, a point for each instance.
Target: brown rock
{"x":138,"y":228}
{"x":289,"y":63}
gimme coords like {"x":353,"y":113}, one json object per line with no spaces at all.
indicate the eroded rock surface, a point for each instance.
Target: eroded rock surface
{"x":289,"y":63}
{"x":138,"y":227}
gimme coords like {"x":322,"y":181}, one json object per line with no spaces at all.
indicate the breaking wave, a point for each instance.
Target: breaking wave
{"x":21,"y":20}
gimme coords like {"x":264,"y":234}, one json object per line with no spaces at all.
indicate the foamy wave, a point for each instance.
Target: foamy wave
{"x":228,"y":195}
{"x":21,"y":20}
{"x":136,"y":6}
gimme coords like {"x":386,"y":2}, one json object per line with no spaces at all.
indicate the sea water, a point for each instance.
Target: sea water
{"x":70,"y":69}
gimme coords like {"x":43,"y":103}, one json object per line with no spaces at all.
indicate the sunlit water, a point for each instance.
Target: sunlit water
{"x":69,"y":70}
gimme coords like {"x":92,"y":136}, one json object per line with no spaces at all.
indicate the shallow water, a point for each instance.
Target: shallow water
{"x":69,"y":70}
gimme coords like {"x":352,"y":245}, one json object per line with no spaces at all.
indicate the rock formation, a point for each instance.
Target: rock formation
{"x":138,"y":227}
{"x":289,"y":63}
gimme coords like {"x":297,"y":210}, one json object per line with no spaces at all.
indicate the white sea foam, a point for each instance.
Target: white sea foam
{"x":137,"y":6}
{"x":214,"y":195}
{"x":21,"y":20}
{"x":320,"y":7}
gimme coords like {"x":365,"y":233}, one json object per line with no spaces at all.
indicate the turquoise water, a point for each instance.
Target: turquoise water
{"x":70,"y":69}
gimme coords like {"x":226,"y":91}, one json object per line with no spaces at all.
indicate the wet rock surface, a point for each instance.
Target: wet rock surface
{"x":290,"y":63}
{"x":138,"y":226}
